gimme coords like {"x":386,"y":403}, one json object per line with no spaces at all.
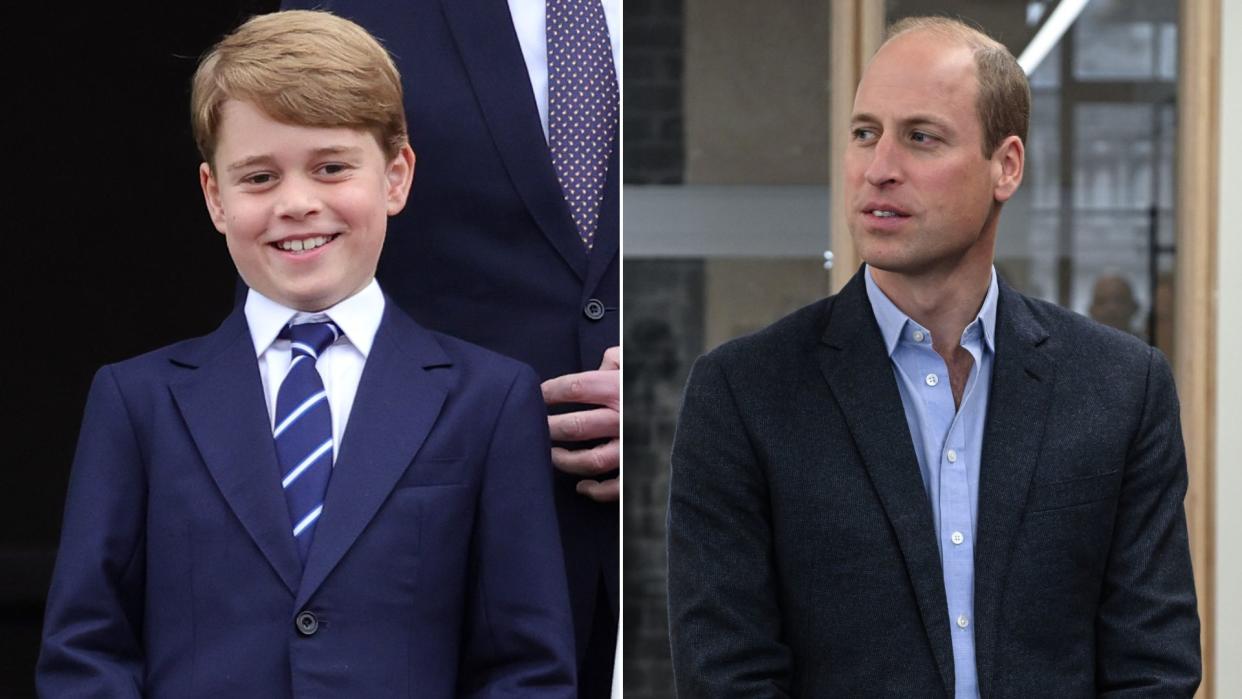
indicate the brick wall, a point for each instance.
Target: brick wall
{"x":663,"y":336}
{"x":654,"y":150}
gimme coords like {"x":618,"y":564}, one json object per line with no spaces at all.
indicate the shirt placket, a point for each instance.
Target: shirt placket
{"x":957,"y":533}
{"x":957,"y":542}
{"x":952,"y":501}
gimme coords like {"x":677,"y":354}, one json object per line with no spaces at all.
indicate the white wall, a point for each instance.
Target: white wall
{"x":1228,"y":672}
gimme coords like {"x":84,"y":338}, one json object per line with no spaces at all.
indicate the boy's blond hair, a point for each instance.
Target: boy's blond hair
{"x":305,"y":68}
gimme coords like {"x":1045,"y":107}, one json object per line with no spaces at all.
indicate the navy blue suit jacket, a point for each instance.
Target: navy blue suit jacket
{"x":802,"y":556}
{"x":435,"y":570}
{"x":486,"y":250}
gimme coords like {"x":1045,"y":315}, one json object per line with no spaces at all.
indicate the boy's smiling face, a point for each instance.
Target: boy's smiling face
{"x":303,"y":209}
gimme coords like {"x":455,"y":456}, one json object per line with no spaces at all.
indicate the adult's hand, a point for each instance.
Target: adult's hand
{"x":601,"y":387}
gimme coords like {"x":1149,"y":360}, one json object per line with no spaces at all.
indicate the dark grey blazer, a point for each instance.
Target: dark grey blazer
{"x":802,"y":556}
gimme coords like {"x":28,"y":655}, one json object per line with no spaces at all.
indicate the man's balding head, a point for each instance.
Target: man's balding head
{"x":1004,"y":99}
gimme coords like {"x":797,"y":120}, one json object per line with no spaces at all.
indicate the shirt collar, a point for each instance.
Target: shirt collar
{"x":987,"y":313}
{"x":893,"y":321}
{"x":358,"y":317}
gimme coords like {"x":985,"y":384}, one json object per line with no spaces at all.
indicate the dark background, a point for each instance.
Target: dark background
{"x":663,"y":332}
{"x":115,"y":253}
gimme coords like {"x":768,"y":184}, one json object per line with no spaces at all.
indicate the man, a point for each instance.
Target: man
{"x":489,"y":249}
{"x":929,"y":484}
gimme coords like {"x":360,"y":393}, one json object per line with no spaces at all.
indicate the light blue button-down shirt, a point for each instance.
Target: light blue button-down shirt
{"x":948,"y":442}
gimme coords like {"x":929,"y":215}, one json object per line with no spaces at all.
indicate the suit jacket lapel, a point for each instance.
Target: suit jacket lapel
{"x":856,"y":364}
{"x":397,"y":403}
{"x":483,"y":31}
{"x":608,"y":237}
{"x":223,"y":406}
{"x":1022,"y":379}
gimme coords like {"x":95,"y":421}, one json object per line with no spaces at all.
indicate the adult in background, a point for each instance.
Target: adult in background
{"x":510,"y":239}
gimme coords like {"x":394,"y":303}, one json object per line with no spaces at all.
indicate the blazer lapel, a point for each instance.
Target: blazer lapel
{"x":859,"y":372}
{"x":483,"y":31}
{"x":1021,"y":392}
{"x":608,"y":236}
{"x":223,"y":406}
{"x":394,"y":409}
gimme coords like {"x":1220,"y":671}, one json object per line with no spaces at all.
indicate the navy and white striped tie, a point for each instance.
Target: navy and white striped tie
{"x":303,"y":429}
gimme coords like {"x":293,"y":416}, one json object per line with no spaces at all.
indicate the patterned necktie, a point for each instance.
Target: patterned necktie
{"x":303,"y":429}
{"x":582,"y":106}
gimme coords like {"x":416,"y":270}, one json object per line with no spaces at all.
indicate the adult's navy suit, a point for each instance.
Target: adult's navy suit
{"x":434,"y":570}
{"x":802,"y":556}
{"x":486,"y":249}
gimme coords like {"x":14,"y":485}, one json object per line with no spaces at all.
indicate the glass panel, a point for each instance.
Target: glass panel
{"x":1042,"y":179}
{"x":1120,"y":155}
{"x":1126,"y":40}
{"x":1112,"y":48}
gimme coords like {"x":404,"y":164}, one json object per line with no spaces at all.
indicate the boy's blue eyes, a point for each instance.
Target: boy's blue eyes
{"x":329,"y":169}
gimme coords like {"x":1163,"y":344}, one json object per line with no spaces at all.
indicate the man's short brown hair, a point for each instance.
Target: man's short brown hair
{"x":1004,"y":101}
{"x":304,"y":68}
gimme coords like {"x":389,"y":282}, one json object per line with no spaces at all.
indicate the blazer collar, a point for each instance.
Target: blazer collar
{"x":404,"y":384}
{"x":221,"y":401}
{"x":483,"y":31}
{"x":608,"y":237}
{"x":855,"y":362}
{"x":403,"y":387}
{"x":1023,"y":375}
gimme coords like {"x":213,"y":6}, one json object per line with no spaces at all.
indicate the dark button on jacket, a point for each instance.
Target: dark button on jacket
{"x":594,"y":309}
{"x":307,"y":624}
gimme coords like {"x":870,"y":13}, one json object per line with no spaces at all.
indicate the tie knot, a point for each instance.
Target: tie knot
{"x":311,"y":339}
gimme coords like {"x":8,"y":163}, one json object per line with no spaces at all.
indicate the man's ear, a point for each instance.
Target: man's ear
{"x":1008,"y":163}
{"x":400,"y":174}
{"x":211,"y":195}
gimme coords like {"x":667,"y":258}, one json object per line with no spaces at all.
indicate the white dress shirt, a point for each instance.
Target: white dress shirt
{"x":530,"y":22}
{"x":340,"y":366}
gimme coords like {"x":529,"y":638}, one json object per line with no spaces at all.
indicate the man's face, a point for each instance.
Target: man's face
{"x":302,"y":209}
{"x":919,"y":193}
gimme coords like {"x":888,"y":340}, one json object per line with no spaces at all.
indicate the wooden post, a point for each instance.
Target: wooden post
{"x":1194,"y":360}
{"x":857,"y":31}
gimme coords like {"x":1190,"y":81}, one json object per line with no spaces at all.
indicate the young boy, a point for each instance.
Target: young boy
{"x":320,"y":498}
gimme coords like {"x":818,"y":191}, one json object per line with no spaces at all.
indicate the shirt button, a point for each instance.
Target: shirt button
{"x":918,"y":336}
{"x":962,"y":621}
{"x":932,"y":379}
{"x":957,"y":538}
{"x":951,"y":455}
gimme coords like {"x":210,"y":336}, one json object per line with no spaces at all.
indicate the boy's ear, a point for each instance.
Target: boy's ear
{"x":211,"y":195}
{"x":400,"y":174}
